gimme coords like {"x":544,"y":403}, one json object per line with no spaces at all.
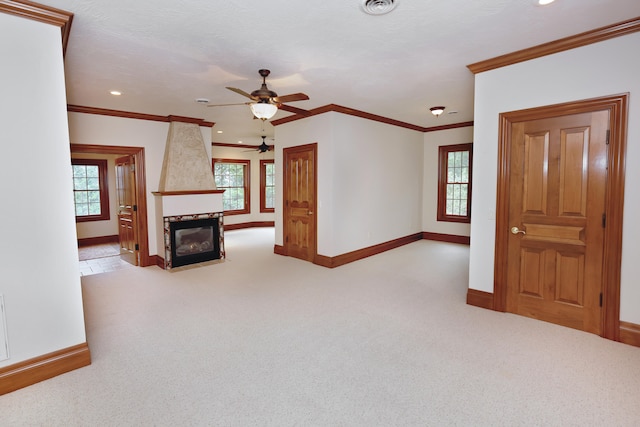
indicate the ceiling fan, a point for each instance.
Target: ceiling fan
{"x":265,"y":102}
{"x":264,"y":147}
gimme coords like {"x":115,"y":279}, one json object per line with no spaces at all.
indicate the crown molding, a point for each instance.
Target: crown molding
{"x":594,"y":36}
{"x":183,"y":119}
{"x":39,"y":12}
{"x":368,"y":116}
{"x":139,"y":116}
{"x":314,"y":112}
{"x":446,"y":127}
{"x":229,"y":145}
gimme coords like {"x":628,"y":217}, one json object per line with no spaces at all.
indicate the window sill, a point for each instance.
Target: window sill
{"x":460,"y":219}
{"x":90,"y":218}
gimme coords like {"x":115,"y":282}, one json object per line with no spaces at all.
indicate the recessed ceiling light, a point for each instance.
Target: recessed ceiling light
{"x":545,"y":2}
{"x":219,"y":131}
{"x":239,"y":142}
{"x":115,"y":92}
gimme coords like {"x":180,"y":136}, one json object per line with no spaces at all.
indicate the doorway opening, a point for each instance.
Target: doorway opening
{"x":138,"y":187}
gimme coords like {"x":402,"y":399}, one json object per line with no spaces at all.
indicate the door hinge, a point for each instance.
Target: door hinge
{"x":135,"y":208}
{"x":286,"y":239}
{"x":137,"y":247}
{"x":600,"y":299}
{"x":608,"y":135}
{"x":132,"y":168}
{"x":604,"y":220}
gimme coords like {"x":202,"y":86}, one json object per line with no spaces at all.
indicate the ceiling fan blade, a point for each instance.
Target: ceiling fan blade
{"x":295,"y":110}
{"x":259,"y":148}
{"x":241,"y":92}
{"x":292,"y":97}
{"x":226,"y":105}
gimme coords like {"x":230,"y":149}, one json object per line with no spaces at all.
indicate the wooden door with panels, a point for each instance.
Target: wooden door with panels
{"x":556,"y":209}
{"x":127,"y":209}
{"x":559,"y":228}
{"x":300,"y":187}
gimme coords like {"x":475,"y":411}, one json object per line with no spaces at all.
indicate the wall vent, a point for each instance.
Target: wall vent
{"x":378,"y":7}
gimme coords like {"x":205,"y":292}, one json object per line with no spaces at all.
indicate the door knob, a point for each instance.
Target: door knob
{"x":309,"y":212}
{"x":516,"y":230}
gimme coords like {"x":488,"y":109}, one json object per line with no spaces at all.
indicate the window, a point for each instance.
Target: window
{"x":90,"y":190}
{"x":233,"y":177}
{"x":267,"y":186}
{"x":454,"y":182}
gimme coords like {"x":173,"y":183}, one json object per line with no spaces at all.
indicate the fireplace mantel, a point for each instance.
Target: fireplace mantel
{"x":186,"y":192}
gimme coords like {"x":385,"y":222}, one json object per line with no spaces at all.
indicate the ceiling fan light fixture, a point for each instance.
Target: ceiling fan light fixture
{"x":378,"y":7}
{"x":263,"y":110}
{"x":436,"y":111}
{"x":263,"y":148}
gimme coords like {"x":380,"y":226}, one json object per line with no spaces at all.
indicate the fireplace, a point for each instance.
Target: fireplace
{"x":188,"y":207}
{"x":191,"y":239}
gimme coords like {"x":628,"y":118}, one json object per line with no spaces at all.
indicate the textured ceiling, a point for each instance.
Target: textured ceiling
{"x":163,"y":54}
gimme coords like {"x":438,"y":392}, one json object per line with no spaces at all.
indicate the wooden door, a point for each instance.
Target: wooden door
{"x":127,"y":209}
{"x":300,"y":201}
{"x":558,"y":170}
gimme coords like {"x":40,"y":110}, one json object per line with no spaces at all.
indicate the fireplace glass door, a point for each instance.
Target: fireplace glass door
{"x":194,"y":241}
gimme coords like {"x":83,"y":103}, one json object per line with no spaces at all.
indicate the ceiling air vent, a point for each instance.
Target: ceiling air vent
{"x":378,"y":7}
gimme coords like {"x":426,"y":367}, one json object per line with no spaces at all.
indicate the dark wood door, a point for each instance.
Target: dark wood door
{"x":127,"y":209}
{"x":556,"y":214}
{"x":300,"y":201}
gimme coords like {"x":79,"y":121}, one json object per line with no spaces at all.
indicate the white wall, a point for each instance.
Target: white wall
{"x":433,"y":140}
{"x":44,"y":304}
{"x":95,"y":129}
{"x":605,"y":68}
{"x":316,"y":129}
{"x":108,"y":227}
{"x":251,"y":154}
{"x":369,"y":180}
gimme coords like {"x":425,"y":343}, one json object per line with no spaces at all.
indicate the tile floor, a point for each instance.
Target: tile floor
{"x":98,"y":262}
{"x":102,"y":265}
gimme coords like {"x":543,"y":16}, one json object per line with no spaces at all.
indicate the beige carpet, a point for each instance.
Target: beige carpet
{"x":266,"y":340}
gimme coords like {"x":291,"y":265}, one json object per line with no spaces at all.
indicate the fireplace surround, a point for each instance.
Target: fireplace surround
{"x":191,"y":239}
